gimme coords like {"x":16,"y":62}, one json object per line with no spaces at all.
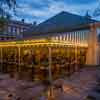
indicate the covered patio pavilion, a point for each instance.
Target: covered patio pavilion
{"x":59,"y":46}
{"x":33,"y":59}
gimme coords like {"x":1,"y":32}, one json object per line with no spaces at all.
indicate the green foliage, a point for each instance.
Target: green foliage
{"x":3,"y":21}
{"x":5,"y":16}
{"x":11,"y":4}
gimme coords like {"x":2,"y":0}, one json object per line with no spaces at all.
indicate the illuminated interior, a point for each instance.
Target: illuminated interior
{"x":29,"y":58}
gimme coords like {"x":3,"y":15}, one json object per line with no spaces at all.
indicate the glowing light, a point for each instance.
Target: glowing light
{"x":42,"y":42}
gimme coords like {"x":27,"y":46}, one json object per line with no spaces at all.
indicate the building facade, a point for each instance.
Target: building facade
{"x":12,"y":30}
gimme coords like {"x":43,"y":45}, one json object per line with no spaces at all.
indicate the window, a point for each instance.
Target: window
{"x":21,"y":29}
{"x":24,"y":29}
{"x":13,"y":30}
{"x":18,"y":31}
{"x":9,"y":29}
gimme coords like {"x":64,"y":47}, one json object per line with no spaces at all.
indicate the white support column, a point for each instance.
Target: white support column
{"x":97,"y":54}
{"x":50,"y":95}
{"x":67,"y":37}
{"x":79,"y":37}
{"x":76,"y":37}
{"x":18,"y":67}
{"x":76,"y":67}
{"x":92,"y":46}
{"x":72,"y":37}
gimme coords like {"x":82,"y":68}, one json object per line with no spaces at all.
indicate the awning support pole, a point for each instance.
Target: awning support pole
{"x":50,"y":75}
{"x":18,"y":59}
{"x":1,"y":59}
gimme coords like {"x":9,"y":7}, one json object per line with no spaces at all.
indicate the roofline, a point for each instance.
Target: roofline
{"x":66,"y":12}
{"x":47,"y":34}
{"x":39,"y":36}
{"x":19,"y":22}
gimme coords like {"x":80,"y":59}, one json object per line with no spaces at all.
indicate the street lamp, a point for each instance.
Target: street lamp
{"x":50,"y":95}
{"x":1,"y":59}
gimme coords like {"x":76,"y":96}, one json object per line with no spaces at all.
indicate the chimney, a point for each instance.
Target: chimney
{"x":87,"y":15}
{"x":23,"y":20}
{"x":34,"y":23}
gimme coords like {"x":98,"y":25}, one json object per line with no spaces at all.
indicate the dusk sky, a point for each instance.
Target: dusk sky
{"x":40,"y":10}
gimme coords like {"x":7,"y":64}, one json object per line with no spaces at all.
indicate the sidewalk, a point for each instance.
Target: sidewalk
{"x":17,"y":88}
{"x":78,"y":86}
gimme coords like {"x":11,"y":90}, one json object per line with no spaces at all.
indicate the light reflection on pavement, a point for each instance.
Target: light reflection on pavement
{"x":75,"y":88}
{"x":78,"y":86}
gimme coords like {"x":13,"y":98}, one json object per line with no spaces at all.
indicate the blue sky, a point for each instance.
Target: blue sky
{"x":40,"y":10}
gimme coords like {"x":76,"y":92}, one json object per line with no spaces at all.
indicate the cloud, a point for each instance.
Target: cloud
{"x":41,"y":10}
{"x":80,"y":2}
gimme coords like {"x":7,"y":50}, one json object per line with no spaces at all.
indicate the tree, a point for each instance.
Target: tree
{"x":97,"y":10}
{"x":87,"y":15}
{"x":10,"y":4}
{"x":2,"y":23}
{"x":4,"y":15}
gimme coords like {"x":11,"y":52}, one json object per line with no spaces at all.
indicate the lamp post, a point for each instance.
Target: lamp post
{"x":1,"y":58}
{"x":76,"y":67}
{"x":18,"y":59}
{"x":76,"y":53}
{"x":50,"y":96}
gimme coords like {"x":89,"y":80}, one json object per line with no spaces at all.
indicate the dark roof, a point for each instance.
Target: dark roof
{"x":19,"y":23}
{"x":61,"y":22}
